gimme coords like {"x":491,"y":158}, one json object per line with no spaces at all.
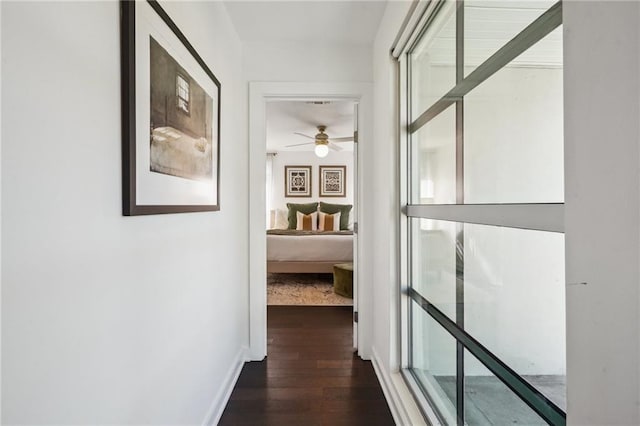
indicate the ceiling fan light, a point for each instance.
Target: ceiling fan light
{"x":321,"y":150}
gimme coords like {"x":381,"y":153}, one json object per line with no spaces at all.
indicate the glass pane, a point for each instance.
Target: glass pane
{"x":433,"y":263}
{"x":433,"y":61}
{"x":489,"y":25}
{"x":514,"y":301}
{"x":513,"y":134}
{"x":434,"y":160}
{"x":488,"y":401}
{"x":433,"y":362}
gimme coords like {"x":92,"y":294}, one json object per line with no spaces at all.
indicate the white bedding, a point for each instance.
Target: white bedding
{"x":310,"y":248}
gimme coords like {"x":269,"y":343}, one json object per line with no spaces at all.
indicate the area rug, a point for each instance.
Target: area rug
{"x":303,"y":289}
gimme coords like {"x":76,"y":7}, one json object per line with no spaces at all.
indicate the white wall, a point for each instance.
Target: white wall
{"x":284,"y":158}
{"x":602,"y":210}
{"x":382,"y":175}
{"x":293,"y":61}
{"x":105,"y":318}
{"x":381,"y":201}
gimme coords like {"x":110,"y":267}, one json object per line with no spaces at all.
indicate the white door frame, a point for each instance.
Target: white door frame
{"x":259,"y":94}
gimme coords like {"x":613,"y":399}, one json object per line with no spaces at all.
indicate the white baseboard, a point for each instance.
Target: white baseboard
{"x":401,"y":403}
{"x":222,"y":397}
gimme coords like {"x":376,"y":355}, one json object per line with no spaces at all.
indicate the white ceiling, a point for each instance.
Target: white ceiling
{"x":307,"y":21}
{"x":286,"y":117}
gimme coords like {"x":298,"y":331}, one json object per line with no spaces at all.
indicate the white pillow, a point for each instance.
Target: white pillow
{"x":281,"y":219}
{"x":329,"y":222}
{"x":300,"y":219}
{"x":272,"y":219}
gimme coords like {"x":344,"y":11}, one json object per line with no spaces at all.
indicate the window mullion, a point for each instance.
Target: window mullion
{"x":540,"y":217}
{"x":460,"y":370}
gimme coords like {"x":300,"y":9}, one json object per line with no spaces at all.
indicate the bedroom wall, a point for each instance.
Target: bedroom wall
{"x":105,"y":318}
{"x":310,"y":159}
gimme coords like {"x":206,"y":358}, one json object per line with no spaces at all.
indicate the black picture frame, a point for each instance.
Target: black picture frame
{"x":206,"y":185}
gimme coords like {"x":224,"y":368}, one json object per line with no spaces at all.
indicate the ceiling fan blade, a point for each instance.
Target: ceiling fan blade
{"x":343,"y":139}
{"x":300,"y":144}
{"x":335,"y":147}
{"x":302,"y":134}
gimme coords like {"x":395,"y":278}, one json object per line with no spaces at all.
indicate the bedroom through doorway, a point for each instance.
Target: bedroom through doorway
{"x":310,"y":199}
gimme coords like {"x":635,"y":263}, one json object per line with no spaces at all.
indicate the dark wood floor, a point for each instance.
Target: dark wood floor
{"x":311,"y":375}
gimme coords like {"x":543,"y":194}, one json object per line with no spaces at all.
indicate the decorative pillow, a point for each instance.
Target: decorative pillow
{"x":281,"y":221}
{"x":344,"y":210}
{"x":329,"y":222}
{"x":304,"y":208}
{"x":307,"y":222}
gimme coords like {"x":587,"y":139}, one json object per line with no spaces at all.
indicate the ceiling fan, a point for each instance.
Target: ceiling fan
{"x":323,"y":142}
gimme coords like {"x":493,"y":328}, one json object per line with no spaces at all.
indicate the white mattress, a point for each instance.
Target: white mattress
{"x":311,"y":248}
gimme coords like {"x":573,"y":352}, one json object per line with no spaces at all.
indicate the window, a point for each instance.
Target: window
{"x":482,"y":224}
{"x":182,"y":93}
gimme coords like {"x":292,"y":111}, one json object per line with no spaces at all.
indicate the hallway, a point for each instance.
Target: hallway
{"x":310,"y":377}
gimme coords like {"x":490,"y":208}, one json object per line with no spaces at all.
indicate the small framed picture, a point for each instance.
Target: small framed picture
{"x":332,"y":181}
{"x":297,"y":182}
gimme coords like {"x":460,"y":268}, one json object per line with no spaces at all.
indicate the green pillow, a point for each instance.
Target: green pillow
{"x":344,"y":210}
{"x":302,"y":208}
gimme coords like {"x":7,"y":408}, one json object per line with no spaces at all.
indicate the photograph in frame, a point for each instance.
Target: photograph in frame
{"x":171,"y":117}
{"x":297,"y":181}
{"x":332,"y":181}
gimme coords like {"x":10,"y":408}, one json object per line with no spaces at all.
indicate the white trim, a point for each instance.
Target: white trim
{"x":1,"y":217}
{"x":540,"y":217}
{"x":403,"y":222}
{"x":428,"y":409}
{"x":357,"y":206}
{"x":257,"y":245}
{"x":259,"y":93}
{"x":222,"y":397}
{"x":416,"y":18}
{"x":399,"y":398}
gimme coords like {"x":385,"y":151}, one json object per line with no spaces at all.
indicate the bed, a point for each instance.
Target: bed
{"x":292,"y":251}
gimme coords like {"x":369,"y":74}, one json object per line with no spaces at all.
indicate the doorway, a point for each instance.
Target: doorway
{"x":260,"y":95}
{"x":310,"y":202}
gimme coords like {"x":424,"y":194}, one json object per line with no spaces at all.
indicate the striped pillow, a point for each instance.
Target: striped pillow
{"x":307,"y":222}
{"x":329,"y":222}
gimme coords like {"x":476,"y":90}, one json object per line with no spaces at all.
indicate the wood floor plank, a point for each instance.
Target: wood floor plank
{"x":311,"y":375}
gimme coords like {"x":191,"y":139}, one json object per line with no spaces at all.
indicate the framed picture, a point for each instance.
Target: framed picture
{"x":332,"y":181}
{"x":170,"y":117}
{"x":297,"y":181}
